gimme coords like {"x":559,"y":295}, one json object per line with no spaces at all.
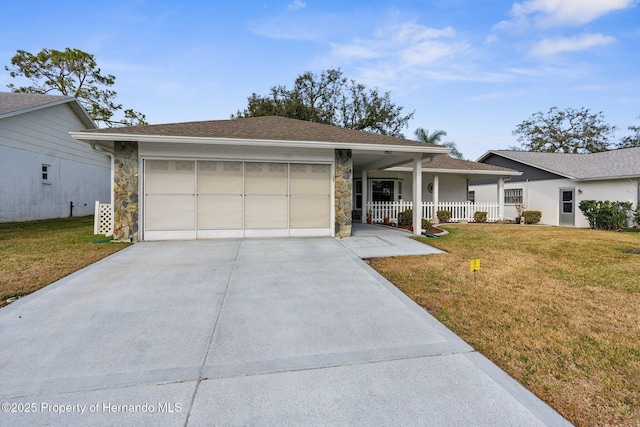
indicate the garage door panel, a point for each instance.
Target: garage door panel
{"x":309,"y":212}
{"x":169,"y":177}
{"x":266,"y":178}
{"x":219,"y":177}
{"x":170,"y":212}
{"x":266,"y":212}
{"x":310,"y":179}
{"x":220,"y":212}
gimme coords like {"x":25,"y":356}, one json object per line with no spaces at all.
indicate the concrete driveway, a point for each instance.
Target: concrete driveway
{"x":243,"y":332}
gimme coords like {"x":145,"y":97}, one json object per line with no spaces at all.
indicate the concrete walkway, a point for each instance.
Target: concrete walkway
{"x":374,"y":241}
{"x":243,"y":332}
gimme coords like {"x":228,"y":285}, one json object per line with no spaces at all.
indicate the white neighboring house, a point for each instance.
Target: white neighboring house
{"x":556,"y":183}
{"x":44,"y":173}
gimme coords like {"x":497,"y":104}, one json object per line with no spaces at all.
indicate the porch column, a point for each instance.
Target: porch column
{"x":125,"y":189}
{"x":417,"y":195}
{"x":501,"y":198}
{"x":436,"y":197}
{"x":365,"y":196}
{"x":343,"y":193}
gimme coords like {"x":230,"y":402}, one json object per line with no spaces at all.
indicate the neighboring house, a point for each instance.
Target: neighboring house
{"x":44,"y":173}
{"x":254,"y":177}
{"x":555,"y":183}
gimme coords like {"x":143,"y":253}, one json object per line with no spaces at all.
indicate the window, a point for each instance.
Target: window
{"x":382,"y":191}
{"x":358,"y":194}
{"x":513,"y":196}
{"x":471,"y":196}
{"x":46,"y":174}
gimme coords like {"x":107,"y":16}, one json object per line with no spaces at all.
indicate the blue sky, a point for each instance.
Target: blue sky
{"x":475,"y":69}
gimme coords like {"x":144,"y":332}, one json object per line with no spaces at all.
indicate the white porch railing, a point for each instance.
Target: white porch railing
{"x":460,"y":211}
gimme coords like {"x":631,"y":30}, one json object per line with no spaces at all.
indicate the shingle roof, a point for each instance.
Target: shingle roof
{"x":11,"y":102}
{"x":622,"y":163}
{"x":446,"y":162}
{"x":263,"y":128}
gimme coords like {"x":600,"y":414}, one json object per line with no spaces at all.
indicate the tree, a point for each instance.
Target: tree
{"x":331,"y":98}
{"x":72,"y":72}
{"x":423,"y":136}
{"x":631,"y":140}
{"x":565,"y":131}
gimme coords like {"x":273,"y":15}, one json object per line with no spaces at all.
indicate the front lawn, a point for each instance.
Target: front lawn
{"x":556,"y":308}
{"x":36,"y":253}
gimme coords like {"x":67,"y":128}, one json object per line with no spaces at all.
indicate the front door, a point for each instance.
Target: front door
{"x":567,"y":206}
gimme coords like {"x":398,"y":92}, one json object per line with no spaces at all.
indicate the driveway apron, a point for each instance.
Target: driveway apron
{"x":243,"y":332}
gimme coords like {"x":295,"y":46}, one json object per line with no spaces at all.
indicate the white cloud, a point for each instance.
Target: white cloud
{"x":554,"y":46}
{"x":546,"y":13}
{"x":297,"y":4}
{"x":401,"y":49}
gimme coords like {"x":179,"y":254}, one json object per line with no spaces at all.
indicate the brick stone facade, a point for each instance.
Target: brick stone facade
{"x":343,"y":192}
{"x":125,"y":202}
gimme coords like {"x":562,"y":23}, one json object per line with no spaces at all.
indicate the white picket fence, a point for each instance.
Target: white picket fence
{"x":460,"y":211}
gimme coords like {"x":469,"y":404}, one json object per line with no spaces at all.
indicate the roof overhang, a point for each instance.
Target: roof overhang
{"x":366,"y":156}
{"x":467,"y":172}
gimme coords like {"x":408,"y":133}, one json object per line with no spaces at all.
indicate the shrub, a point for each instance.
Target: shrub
{"x":605,"y":215}
{"x":636,"y":215}
{"x":480,"y":216}
{"x":406,"y":217}
{"x":443,"y":216}
{"x":532,"y":217}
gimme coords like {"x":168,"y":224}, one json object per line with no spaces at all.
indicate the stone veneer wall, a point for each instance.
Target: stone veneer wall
{"x":125,"y":202}
{"x":343,"y":192}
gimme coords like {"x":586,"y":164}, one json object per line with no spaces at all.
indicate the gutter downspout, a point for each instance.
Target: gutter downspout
{"x":100,"y":150}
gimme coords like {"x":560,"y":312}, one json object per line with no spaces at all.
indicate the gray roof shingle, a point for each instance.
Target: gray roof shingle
{"x":263,"y":128}
{"x":446,"y":162}
{"x":622,"y":163}
{"x":11,"y":102}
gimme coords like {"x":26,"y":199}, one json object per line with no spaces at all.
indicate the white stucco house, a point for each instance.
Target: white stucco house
{"x":44,"y":173}
{"x":262,"y":176}
{"x":555,"y":183}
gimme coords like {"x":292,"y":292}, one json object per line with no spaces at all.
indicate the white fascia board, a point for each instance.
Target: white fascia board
{"x":607,"y":178}
{"x":458,"y":171}
{"x":95,"y":137}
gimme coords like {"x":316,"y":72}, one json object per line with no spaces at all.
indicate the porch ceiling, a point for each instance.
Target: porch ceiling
{"x":370,"y":160}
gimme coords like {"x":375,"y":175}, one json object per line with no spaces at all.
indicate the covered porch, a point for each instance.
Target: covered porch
{"x":435,"y":183}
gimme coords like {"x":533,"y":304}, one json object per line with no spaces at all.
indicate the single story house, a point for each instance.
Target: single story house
{"x":44,"y":173}
{"x":254,"y":177}
{"x":555,"y":183}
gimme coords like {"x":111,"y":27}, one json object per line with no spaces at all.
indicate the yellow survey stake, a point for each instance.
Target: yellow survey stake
{"x":474,"y":264}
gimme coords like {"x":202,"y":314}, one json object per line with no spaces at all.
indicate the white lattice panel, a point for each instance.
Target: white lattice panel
{"x":103,"y":220}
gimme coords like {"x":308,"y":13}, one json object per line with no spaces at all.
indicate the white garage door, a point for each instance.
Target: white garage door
{"x":187,"y":199}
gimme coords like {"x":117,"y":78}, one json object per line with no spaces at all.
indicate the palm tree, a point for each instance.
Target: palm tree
{"x":423,"y":136}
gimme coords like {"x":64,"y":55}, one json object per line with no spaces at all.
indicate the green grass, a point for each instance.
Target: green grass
{"x":36,"y":253}
{"x":556,"y":308}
